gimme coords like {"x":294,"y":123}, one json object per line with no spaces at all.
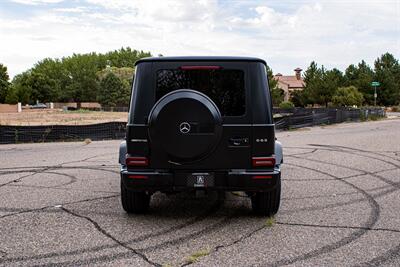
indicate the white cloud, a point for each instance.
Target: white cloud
{"x":79,"y":9}
{"x":334,"y":33}
{"x":36,"y":2}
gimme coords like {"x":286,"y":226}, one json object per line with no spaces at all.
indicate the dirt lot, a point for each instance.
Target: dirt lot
{"x":59,"y":117}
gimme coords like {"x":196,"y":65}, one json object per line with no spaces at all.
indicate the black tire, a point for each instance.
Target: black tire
{"x":134,"y":202}
{"x":267,"y":203}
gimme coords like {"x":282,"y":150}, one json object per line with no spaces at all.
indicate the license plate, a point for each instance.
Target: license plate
{"x":201,"y":179}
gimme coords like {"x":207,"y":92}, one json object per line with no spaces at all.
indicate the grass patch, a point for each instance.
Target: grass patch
{"x":197,"y":255}
{"x":270,"y":221}
{"x":371,"y":117}
{"x":375,"y":117}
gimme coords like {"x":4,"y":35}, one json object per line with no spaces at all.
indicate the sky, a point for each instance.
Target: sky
{"x":287,"y":34}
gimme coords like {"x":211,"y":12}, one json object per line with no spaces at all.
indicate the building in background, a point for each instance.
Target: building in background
{"x":290,"y":83}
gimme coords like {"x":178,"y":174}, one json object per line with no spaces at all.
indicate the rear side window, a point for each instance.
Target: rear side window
{"x":224,"y":86}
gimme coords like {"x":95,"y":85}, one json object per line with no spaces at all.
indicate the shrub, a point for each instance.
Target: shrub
{"x":347,"y":97}
{"x":286,"y":105}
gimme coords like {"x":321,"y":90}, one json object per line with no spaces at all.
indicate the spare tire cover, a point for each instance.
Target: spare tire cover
{"x":186,"y":124}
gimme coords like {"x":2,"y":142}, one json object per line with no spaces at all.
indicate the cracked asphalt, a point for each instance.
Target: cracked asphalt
{"x":59,"y":205}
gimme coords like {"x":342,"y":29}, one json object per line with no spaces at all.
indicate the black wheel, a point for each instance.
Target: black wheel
{"x":134,"y":202}
{"x":267,"y":203}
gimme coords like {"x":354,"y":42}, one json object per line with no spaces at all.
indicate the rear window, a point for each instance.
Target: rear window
{"x":224,"y":86}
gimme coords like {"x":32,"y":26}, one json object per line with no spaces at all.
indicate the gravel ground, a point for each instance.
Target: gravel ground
{"x":59,"y":205}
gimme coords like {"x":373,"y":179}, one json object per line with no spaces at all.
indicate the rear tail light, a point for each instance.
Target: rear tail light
{"x":200,"y":67}
{"x":138,"y":176}
{"x":263,"y":161}
{"x":137,"y":161}
{"x":262,"y":177}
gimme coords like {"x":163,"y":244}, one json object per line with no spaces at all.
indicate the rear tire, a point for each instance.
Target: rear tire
{"x":134,"y":202}
{"x":267,"y":203}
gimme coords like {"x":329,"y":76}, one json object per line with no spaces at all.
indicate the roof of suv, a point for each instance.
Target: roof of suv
{"x":200,"y":58}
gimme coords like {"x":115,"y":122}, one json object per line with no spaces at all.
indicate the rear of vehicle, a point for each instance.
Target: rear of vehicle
{"x":200,"y":124}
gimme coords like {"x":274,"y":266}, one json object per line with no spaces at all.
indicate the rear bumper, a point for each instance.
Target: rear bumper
{"x":234,"y":180}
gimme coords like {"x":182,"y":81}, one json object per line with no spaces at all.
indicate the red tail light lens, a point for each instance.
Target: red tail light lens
{"x":200,"y":67}
{"x":138,"y":176}
{"x":262,"y":177}
{"x":263,"y":161}
{"x":137,"y":161}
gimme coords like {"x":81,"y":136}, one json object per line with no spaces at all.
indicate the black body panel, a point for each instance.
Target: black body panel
{"x":241,"y":137}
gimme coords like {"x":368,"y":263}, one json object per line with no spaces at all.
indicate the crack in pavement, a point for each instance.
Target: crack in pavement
{"x":338,"y":227}
{"x":374,"y":174}
{"x":22,"y":177}
{"x":357,"y":149}
{"x":236,"y":241}
{"x":252,"y":233}
{"x":57,"y":187}
{"x":378,"y":261}
{"x":52,"y":206}
{"x":108,"y":235}
{"x":32,"y":168}
{"x":48,"y":168}
{"x":332,"y":148}
{"x":194,"y":220}
{"x":371,"y":221}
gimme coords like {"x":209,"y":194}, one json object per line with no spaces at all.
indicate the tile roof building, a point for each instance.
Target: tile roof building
{"x":289,"y":83}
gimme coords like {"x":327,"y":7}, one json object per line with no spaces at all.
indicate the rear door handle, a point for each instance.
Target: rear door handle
{"x":239,"y":141}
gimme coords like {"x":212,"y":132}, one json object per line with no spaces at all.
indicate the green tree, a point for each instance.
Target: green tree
{"x":11,"y":97}
{"x":277,"y":94}
{"x":387,"y":72}
{"x":361,"y":77}
{"x":124,"y":73}
{"x":4,"y":83}
{"x":124,"y":57}
{"x":270,"y":75}
{"x":113,"y":91}
{"x":75,"y":78}
{"x":43,"y":88}
{"x":347,"y":97}
{"x":298,"y":98}
{"x":321,"y":84}
{"x":331,"y":80}
{"x":21,"y":88}
{"x":55,"y":70}
{"x":82,"y":85}
{"x":313,"y":83}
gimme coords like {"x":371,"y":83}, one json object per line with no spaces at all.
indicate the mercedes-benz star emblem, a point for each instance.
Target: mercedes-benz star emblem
{"x":184,"y":127}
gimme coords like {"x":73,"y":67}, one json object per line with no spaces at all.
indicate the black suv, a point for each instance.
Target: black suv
{"x":200,"y":123}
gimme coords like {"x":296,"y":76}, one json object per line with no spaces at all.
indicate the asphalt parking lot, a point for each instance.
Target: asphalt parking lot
{"x":59,"y":205}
